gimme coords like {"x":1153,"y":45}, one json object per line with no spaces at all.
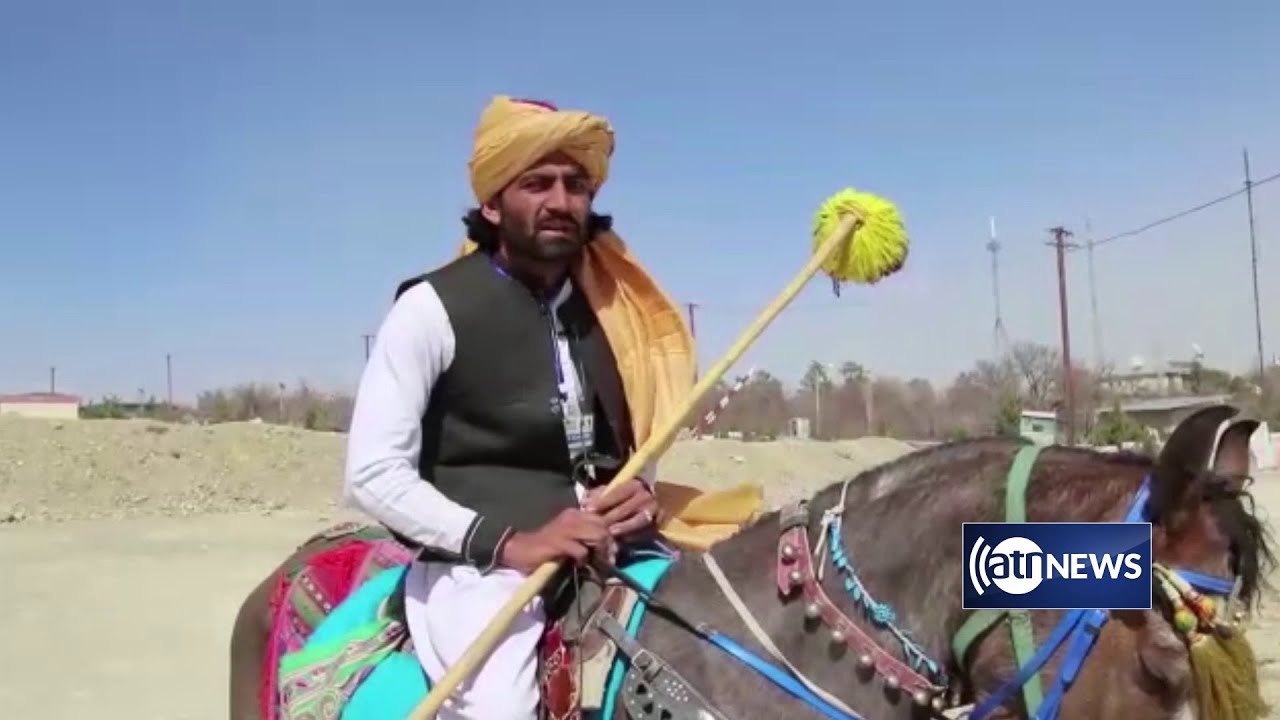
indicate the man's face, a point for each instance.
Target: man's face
{"x":542,"y":214}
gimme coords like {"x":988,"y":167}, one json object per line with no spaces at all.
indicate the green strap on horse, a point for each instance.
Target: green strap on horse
{"x":1024,"y":642}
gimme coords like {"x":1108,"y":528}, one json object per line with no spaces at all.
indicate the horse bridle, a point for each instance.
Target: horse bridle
{"x":920,"y":678}
{"x":1079,"y":630}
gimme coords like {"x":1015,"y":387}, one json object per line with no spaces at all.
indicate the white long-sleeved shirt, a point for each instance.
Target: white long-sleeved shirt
{"x":413,"y":348}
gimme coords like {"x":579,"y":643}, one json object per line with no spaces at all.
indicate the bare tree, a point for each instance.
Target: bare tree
{"x":1039,"y":368}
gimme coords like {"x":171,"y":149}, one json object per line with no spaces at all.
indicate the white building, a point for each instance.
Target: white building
{"x":52,"y":406}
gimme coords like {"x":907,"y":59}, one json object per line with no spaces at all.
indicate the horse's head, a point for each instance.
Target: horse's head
{"x":1199,"y":488}
{"x":1183,"y":652}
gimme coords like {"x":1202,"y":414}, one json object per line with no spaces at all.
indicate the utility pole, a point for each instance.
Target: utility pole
{"x":1253,"y":249}
{"x":53,"y":380}
{"x":1060,"y":235}
{"x":693,"y":332}
{"x":367,"y":340}
{"x":868,"y":402}
{"x":817,"y":408}
{"x":1099,"y":357}
{"x":168,"y":377}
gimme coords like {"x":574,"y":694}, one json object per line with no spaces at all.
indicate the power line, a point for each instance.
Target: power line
{"x":1188,"y":211}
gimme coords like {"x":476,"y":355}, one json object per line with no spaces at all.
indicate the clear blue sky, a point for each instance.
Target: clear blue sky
{"x":243,"y":183}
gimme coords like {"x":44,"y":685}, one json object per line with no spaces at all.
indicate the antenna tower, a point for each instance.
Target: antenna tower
{"x":1000,"y":340}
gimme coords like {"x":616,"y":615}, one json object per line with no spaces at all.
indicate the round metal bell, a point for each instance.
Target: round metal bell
{"x":938,"y":703}
{"x":865,"y":661}
{"x":795,"y":577}
{"x":812,"y":611}
{"x":788,"y":552}
{"x":921,"y":698}
{"x":892,"y":683}
{"x":837,"y":637}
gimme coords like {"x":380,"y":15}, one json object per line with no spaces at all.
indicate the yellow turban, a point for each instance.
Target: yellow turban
{"x":515,"y":134}
{"x":645,"y":328}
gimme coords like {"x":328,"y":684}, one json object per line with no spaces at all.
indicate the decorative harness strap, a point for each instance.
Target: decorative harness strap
{"x":795,"y":570}
{"x":763,"y":638}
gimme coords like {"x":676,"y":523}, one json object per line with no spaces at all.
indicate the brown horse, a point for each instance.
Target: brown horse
{"x":900,"y":528}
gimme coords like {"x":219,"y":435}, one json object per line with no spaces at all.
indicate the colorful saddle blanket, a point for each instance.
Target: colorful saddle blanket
{"x":308,"y":592}
{"x":355,"y":666}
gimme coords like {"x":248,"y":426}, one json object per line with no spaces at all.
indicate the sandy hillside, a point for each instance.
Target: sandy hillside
{"x":128,"y":546}
{"x":129,"y":468}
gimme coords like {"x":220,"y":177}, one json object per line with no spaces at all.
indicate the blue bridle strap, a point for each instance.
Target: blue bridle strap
{"x":773,"y":673}
{"x":1082,"y":627}
{"x":1206,"y":583}
{"x":779,"y":677}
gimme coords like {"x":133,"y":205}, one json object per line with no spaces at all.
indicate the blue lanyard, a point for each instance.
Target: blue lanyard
{"x":545,"y":303}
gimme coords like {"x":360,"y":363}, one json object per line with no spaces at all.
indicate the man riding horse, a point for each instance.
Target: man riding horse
{"x":507,"y":385}
{"x":496,"y":403}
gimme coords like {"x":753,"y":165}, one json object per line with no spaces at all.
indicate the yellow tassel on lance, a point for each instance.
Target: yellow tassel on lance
{"x":1226,"y":678}
{"x":879,"y":246}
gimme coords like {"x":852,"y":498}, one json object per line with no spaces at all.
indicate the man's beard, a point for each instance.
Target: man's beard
{"x":556,"y":247}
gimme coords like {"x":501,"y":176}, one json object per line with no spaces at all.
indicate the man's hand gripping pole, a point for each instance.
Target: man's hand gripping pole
{"x":880,"y":250}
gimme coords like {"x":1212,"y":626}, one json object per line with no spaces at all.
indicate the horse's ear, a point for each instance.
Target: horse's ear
{"x":1185,"y":455}
{"x":1232,"y":457}
{"x":1192,"y":443}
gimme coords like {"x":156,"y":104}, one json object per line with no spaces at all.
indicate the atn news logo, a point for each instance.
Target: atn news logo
{"x":1057,"y":566}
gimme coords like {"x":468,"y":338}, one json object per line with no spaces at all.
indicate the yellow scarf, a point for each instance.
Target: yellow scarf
{"x":645,"y":329}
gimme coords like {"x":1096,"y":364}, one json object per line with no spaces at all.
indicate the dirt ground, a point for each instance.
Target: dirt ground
{"x":127,"y":547}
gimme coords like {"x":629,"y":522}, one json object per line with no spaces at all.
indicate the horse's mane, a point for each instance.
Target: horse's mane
{"x":910,"y":466}
{"x":1073,"y":479}
{"x":1251,"y":544}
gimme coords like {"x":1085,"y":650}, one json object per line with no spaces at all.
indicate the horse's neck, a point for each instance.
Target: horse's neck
{"x":900,"y":531}
{"x":901,"y":576}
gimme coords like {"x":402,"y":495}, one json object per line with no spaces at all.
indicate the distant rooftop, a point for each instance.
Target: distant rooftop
{"x":39,"y":397}
{"x":1169,"y":403}
{"x":1171,"y":367}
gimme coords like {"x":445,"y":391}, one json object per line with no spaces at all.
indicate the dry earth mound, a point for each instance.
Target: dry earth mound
{"x":120,"y":468}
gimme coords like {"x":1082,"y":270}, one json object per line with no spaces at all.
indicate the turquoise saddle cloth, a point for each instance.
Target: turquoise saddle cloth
{"x":397,"y":684}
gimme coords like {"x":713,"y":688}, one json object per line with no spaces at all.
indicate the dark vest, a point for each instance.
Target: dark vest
{"x":493,"y":440}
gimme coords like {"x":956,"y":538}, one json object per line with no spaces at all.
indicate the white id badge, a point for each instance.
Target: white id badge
{"x":579,"y":429}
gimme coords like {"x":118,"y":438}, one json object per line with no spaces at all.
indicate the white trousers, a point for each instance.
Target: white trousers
{"x":446,"y":607}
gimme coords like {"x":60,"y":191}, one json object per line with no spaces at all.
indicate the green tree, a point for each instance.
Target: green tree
{"x":852,"y":372}
{"x":1008,"y":420}
{"x":816,"y":377}
{"x":107,"y":409}
{"x":1116,"y":428}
